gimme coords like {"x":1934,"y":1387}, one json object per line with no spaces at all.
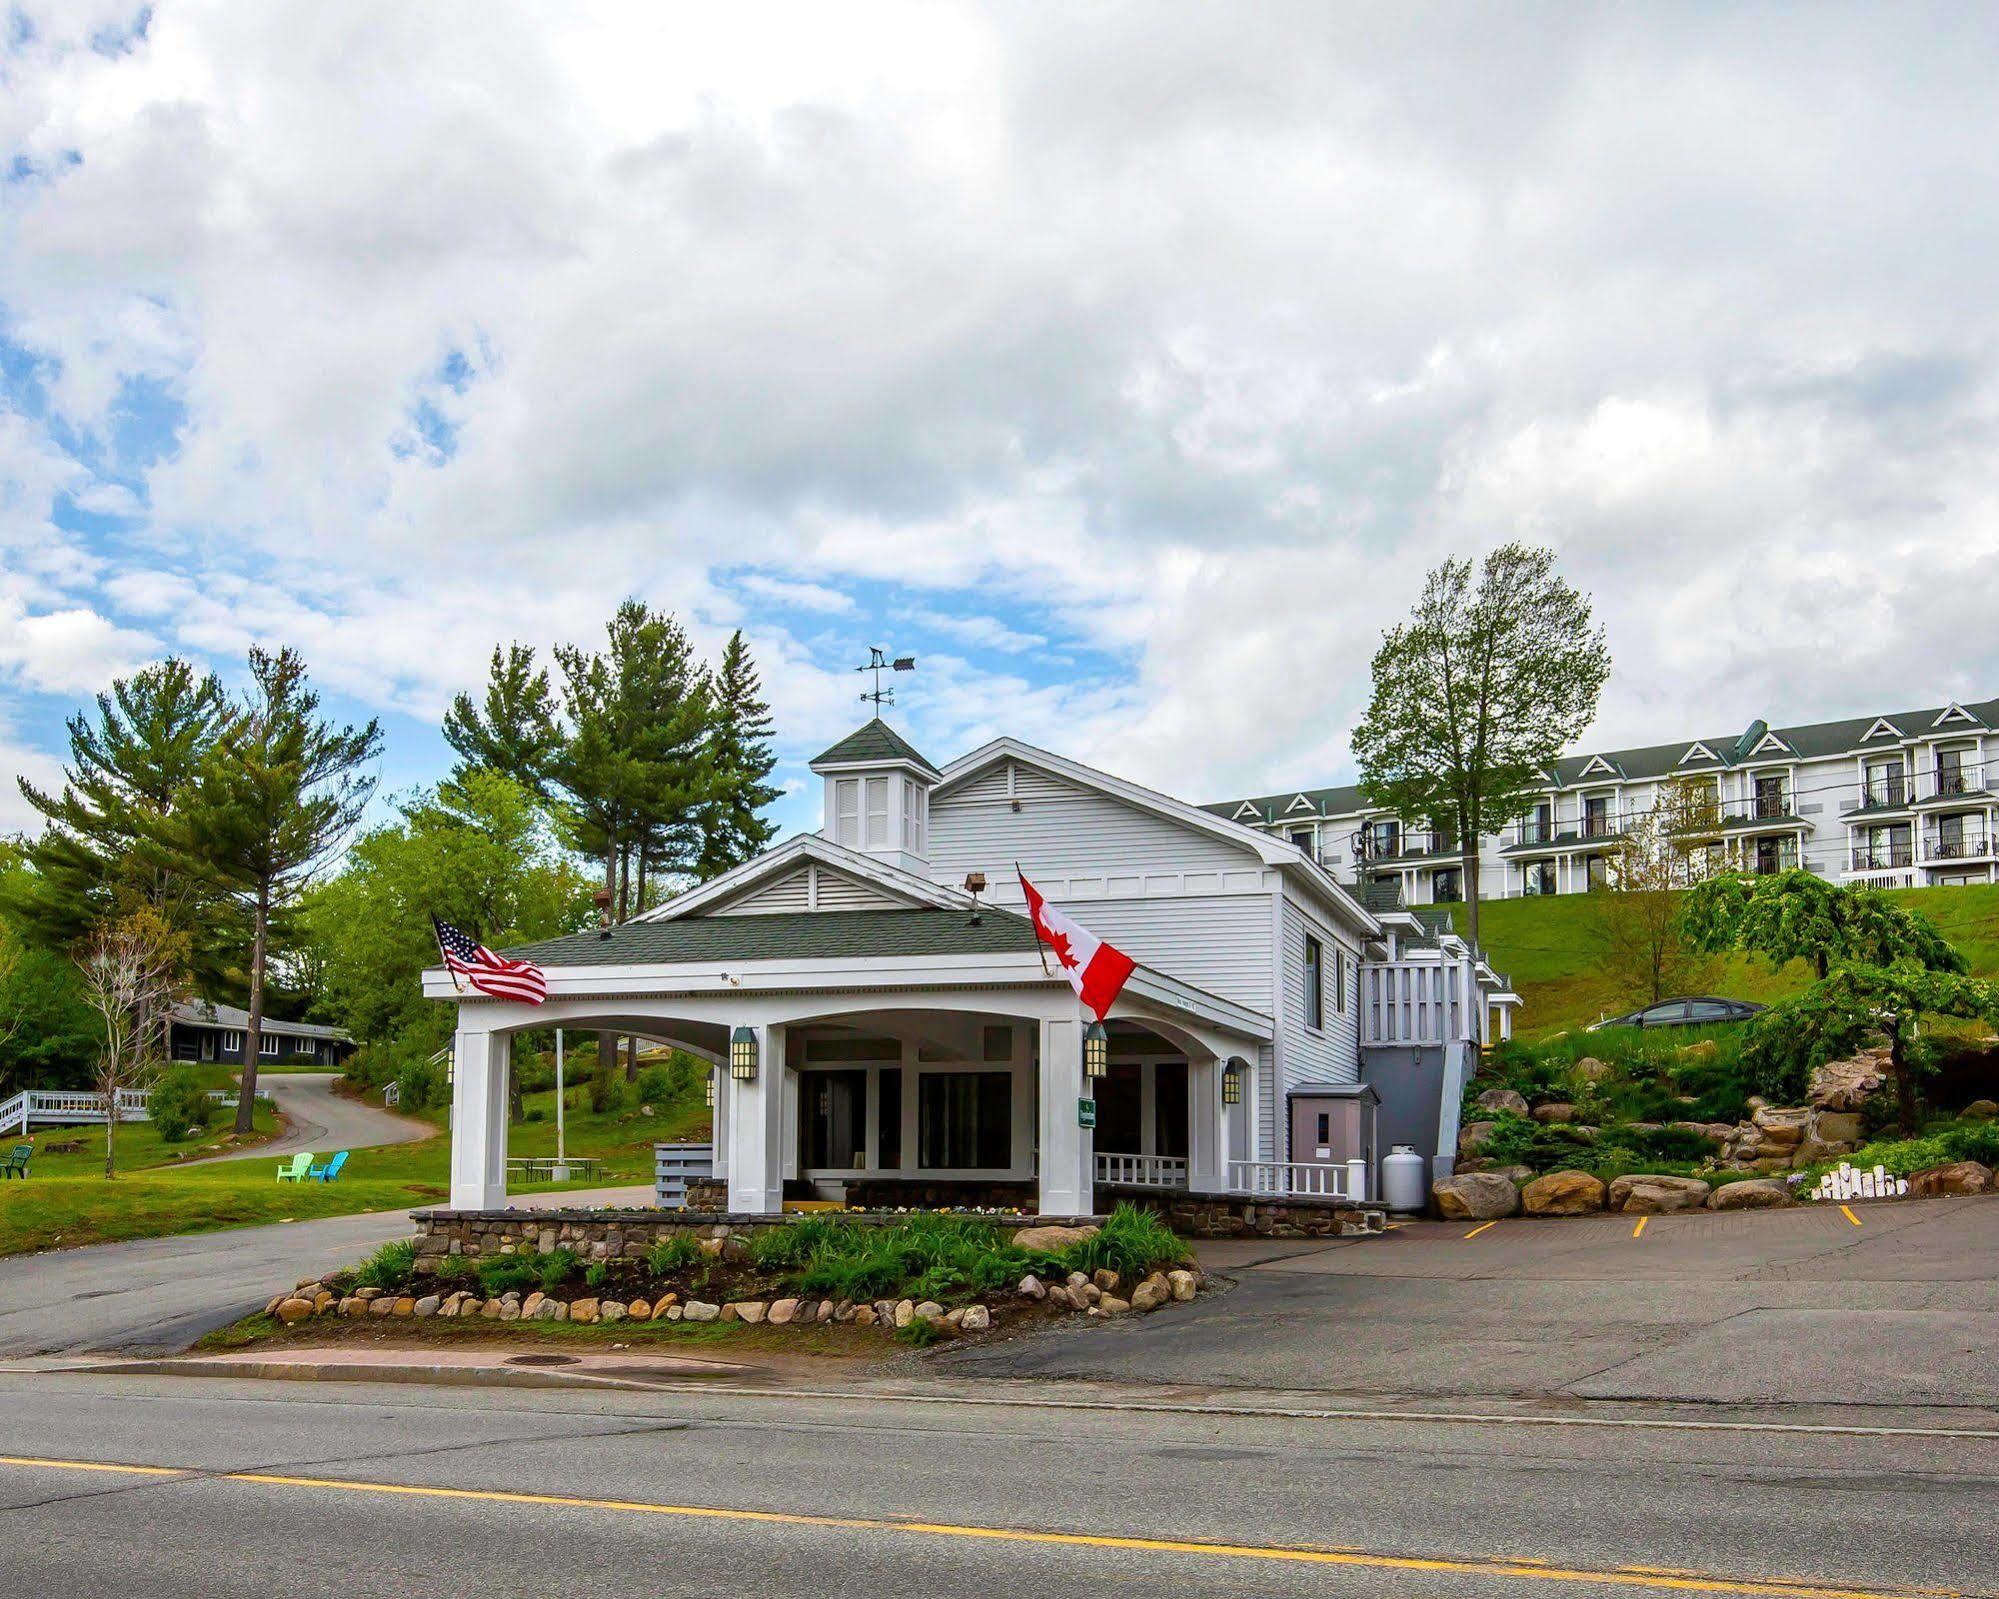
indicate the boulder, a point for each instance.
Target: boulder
{"x":583,"y":1310}
{"x":929,"y":1310}
{"x":750,"y":1310}
{"x":1980,"y":1110}
{"x":693,"y":1310}
{"x":1655,"y":1196}
{"x":905,"y":1312}
{"x":1959,"y":1177}
{"x":1030,"y":1287}
{"x":427,"y":1306}
{"x":782,"y":1311}
{"x":1701,"y":1049}
{"x":1781,"y":1127}
{"x":1105,"y":1279}
{"x":827,"y":1311}
{"x":864,"y":1315}
{"x":639,"y":1310}
{"x":1152,"y":1293}
{"x":293,"y":1309}
{"x":1836,"y":1127}
{"x":1111,"y":1305}
{"x":977,"y":1318}
{"x":1562,"y":1193}
{"x":611,"y":1310}
{"x":666,"y":1304}
{"x":1476,"y":1196}
{"x":532,"y":1303}
{"x":350,"y":1306}
{"x":1183,"y":1284}
{"x":1051,"y":1240}
{"x":380,"y":1307}
{"x":1591,"y":1070}
{"x":1474,"y":1136}
{"x":1848,"y":1084}
{"x":1755,"y":1193}
{"x":1556,"y":1111}
{"x":1502,"y":1099}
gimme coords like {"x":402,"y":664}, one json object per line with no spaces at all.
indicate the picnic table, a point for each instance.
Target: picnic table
{"x":542,"y":1167}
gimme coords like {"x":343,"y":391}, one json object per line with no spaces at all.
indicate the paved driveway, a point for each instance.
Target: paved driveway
{"x":1797,"y":1306}
{"x":321,"y":1120}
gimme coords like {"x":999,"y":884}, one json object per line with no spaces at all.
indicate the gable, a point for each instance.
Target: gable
{"x":1955,"y":715}
{"x":1697,"y":752}
{"x":1882,"y":728}
{"x":1771,"y":744}
{"x":1596,"y":765}
{"x":1246,"y":812}
{"x":1299,"y":803}
{"x":812,"y":887}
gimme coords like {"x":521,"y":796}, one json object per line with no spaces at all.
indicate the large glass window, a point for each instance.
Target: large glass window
{"x":965,"y":1120}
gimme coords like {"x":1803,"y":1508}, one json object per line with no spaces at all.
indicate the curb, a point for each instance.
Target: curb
{"x":306,"y":1371}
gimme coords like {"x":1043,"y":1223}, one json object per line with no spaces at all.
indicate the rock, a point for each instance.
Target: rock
{"x":844,"y":1311}
{"x":1959,"y":1177}
{"x":905,"y":1312}
{"x":1076,"y":1277}
{"x":532,"y":1303}
{"x":1755,"y":1193}
{"x":510,"y":1310}
{"x":1111,"y":1305}
{"x":1051,"y":1240}
{"x":545,"y":1311}
{"x":929,"y":1310}
{"x":583,"y":1310}
{"x":1477,"y":1196}
{"x":864,"y":1315}
{"x":1980,"y":1110}
{"x":426,"y":1307}
{"x":1556,"y":1112}
{"x":1474,"y":1136}
{"x":954,"y":1319}
{"x":1656,"y":1196}
{"x":1781,"y":1128}
{"x":380,"y":1307}
{"x":293,"y":1309}
{"x":1582,"y":1132}
{"x":350,"y":1306}
{"x":1591,"y":1070}
{"x":1502,"y":1099}
{"x":782,"y":1311}
{"x":751,"y":1310}
{"x":712,"y":1246}
{"x":1562,"y":1193}
{"x":827,"y":1310}
{"x":1518,"y":1176}
{"x":1183,"y":1284}
{"x":639,"y":1310}
{"x":1837,"y":1127}
{"x":271,"y":1304}
{"x":610,"y":1310}
{"x":1030,"y":1287}
{"x":1105,"y":1279}
{"x":1848,"y":1084}
{"x":368,"y":1293}
{"x":1150,"y":1295}
{"x":1702,"y":1049}
{"x":693,"y":1310}
{"x":977,"y":1318}
{"x":320,"y":1301}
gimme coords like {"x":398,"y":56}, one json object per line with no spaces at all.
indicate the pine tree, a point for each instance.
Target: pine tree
{"x":272,"y":801}
{"x":739,"y":759}
{"x":516,"y":734}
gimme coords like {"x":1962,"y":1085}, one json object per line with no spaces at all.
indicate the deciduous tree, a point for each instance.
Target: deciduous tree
{"x":1477,"y":694}
{"x":132,"y":970}
{"x":1641,"y":943}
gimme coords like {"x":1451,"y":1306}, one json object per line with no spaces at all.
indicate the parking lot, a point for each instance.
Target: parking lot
{"x":1883,"y":1305}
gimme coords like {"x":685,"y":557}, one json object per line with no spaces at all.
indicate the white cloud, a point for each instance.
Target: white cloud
{"x":795,"y":595}
{"x":74,"y":651}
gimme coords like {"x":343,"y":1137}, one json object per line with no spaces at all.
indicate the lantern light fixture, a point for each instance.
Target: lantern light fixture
{"x":709,"y":1088}
{"x":1232,"y":1083}
{"x":1096,"y":1051}
{"x":743,"y":1054}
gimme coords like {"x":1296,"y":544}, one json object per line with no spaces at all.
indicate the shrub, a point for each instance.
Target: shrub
{"x":389,"y":1267}
{"x":597,"y":1275}
{"x":656,"y":1087}
{"x":454,"y":1268}
{"x":672,"y":1255}
{"x":1131,"y":1243}
{"x":552,"y":1269}
{"x":1663,"y":1143}
{"x":177,"y":1105}
{"x":508,"y":1274}
{"x":419,"y":1085}
{"x":1977,"y":1141}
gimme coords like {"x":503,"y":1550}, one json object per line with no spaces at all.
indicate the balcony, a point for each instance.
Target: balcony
{"x":1883,"y":857}
{"x":1958,"y":782}
{"x":1888,"y":793}
{"x":1410,"y":847}
{"x":1966,"y":846}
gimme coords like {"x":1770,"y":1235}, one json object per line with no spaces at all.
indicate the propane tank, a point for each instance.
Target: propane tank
{"x":1405,"y":1181}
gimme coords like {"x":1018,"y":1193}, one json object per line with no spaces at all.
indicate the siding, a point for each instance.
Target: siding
{"x":785,"y":893}
{"x":1331,"y":1055}
{"x":841,"y":893}
{"x":1219,"y":942}
{"x":792,"y":892}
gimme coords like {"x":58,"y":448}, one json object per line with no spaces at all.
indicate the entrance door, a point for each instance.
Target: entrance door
{"x":833,"y":1119}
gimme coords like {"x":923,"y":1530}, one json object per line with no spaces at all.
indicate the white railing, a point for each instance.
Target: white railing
{"x":1846,"y":1181}
{"x":1280,"y":1179}
{"x":1415,"y":1002}
{"x":392,"y":1094}
{"x":79,"y":1107}
{"x":1143,"y":1171}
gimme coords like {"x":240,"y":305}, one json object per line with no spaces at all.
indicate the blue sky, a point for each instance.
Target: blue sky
{"x":1127,"y":367}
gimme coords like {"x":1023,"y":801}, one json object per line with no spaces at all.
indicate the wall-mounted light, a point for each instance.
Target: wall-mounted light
{"x":710,"y":1088}
{"x":743,"y":1054}
{"x":1096,"y":1051}
{"x":1232,"y":1083}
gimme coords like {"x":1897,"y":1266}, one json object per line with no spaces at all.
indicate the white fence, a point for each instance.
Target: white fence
{"x":1845,"y":1181}
{"x":1416,"y":1002}
{"x":75,"y":1107}
{"x":1143,"y":1171}
{"x":1278,"y":1179}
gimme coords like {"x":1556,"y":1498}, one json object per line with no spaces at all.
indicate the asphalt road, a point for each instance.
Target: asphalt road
{"x":1890,"y":1307}
{"x":253,"y":1488}
{"x":323,"y":1121}
{"x":157,"y":1295}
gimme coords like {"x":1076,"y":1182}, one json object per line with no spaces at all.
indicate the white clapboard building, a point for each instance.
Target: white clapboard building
{"x":884,"y":1034}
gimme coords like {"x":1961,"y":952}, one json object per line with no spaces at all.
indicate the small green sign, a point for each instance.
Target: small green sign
{"x":1086,"y":1113}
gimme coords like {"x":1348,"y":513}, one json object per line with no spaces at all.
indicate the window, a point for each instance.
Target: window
{"x":914,"y":802}
{"x":964,"y":1121}
{"x":1315,"y":994}
{"x":1384,"y":839}
{"x":1301,"y":839}
{"x":1596,"y":816}
{"x":1770,"y":798}
{"x":1540,"y":876}
{"x":847,"y":811}
{"x":1710,"y":1010}
{"x":1886,"y":784}
{"x":888,"y":1119}
{"x":232,"y":1043}
{"x":877,"y":796}
{"x":1540,"y":826}
{"x":269,"y":1045}
{"x":1447,"y":887}
{"x":1342,"y":978}
{"x":833,"y":1108}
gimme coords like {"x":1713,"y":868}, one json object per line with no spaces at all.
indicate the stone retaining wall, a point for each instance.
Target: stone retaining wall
{"x":1238,"y":1216}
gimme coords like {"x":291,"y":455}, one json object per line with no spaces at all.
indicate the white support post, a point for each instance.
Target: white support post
{"x":1068,"y":1151}
{"x":1357,"y":1180}
{"x":1207,"y":1128}
{"x":478,"y":1121}
{"x":756,"y":1131}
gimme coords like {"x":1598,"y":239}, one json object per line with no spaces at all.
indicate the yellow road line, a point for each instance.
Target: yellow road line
{"x":1639,"y":1230}
{"x":1523,"y":1569}
{"x":1847,"y":1211}
{"x":1481,"y":1227}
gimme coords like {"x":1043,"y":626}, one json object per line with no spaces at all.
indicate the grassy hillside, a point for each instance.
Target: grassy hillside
{"x":1547,"y":947}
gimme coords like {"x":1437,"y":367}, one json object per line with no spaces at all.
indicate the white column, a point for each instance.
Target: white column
{"x":478,"y":1121}
{"x":756,"y":1130}
{"x":1068,"y":1151}
{"x":1207,"y":1128}
{"x":1505,"y":1022}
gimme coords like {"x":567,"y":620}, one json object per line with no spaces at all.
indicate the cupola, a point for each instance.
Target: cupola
{"x":878,"y":796}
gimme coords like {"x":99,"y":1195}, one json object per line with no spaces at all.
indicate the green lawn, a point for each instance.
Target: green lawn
{"x":68,"y":1202}
{"x":1546,"y":946}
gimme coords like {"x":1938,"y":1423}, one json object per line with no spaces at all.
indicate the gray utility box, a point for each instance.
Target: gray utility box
{"x":676,"y":1165}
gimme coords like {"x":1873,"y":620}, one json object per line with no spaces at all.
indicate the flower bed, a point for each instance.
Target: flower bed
{"x":921,"y":1276}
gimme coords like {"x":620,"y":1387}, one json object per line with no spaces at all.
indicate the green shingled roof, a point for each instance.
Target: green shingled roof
{"x":875,"y":742}
{"x":795,"y":935}
{"x":1810,"y":741}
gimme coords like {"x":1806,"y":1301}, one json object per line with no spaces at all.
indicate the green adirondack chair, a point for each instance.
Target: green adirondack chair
{"x":16,"y":1164}
{"x":297,"y":1169}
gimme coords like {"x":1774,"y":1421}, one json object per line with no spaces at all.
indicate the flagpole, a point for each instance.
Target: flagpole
{"x":1039,"y":948}
{"x":561,"y":1172}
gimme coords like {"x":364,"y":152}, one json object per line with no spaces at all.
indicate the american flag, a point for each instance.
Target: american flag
{"x":489,"y":973}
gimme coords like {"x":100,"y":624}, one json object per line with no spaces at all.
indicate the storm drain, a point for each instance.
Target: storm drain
{"x":542,"y":1360}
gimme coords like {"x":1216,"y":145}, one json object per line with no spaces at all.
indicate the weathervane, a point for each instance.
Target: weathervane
{"x":878,"y":663}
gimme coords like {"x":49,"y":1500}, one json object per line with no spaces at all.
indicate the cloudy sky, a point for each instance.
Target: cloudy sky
{"x":1127,"y":364}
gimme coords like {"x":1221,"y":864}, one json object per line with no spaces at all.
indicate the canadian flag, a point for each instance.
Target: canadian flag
{"x":1096,"y":970}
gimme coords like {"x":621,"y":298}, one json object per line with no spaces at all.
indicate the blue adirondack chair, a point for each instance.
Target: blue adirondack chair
{"x":331,"y":1170}
{"x":297,"y":1169}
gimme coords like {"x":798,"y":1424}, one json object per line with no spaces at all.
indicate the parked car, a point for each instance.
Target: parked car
{"x":1699,"y":1010}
